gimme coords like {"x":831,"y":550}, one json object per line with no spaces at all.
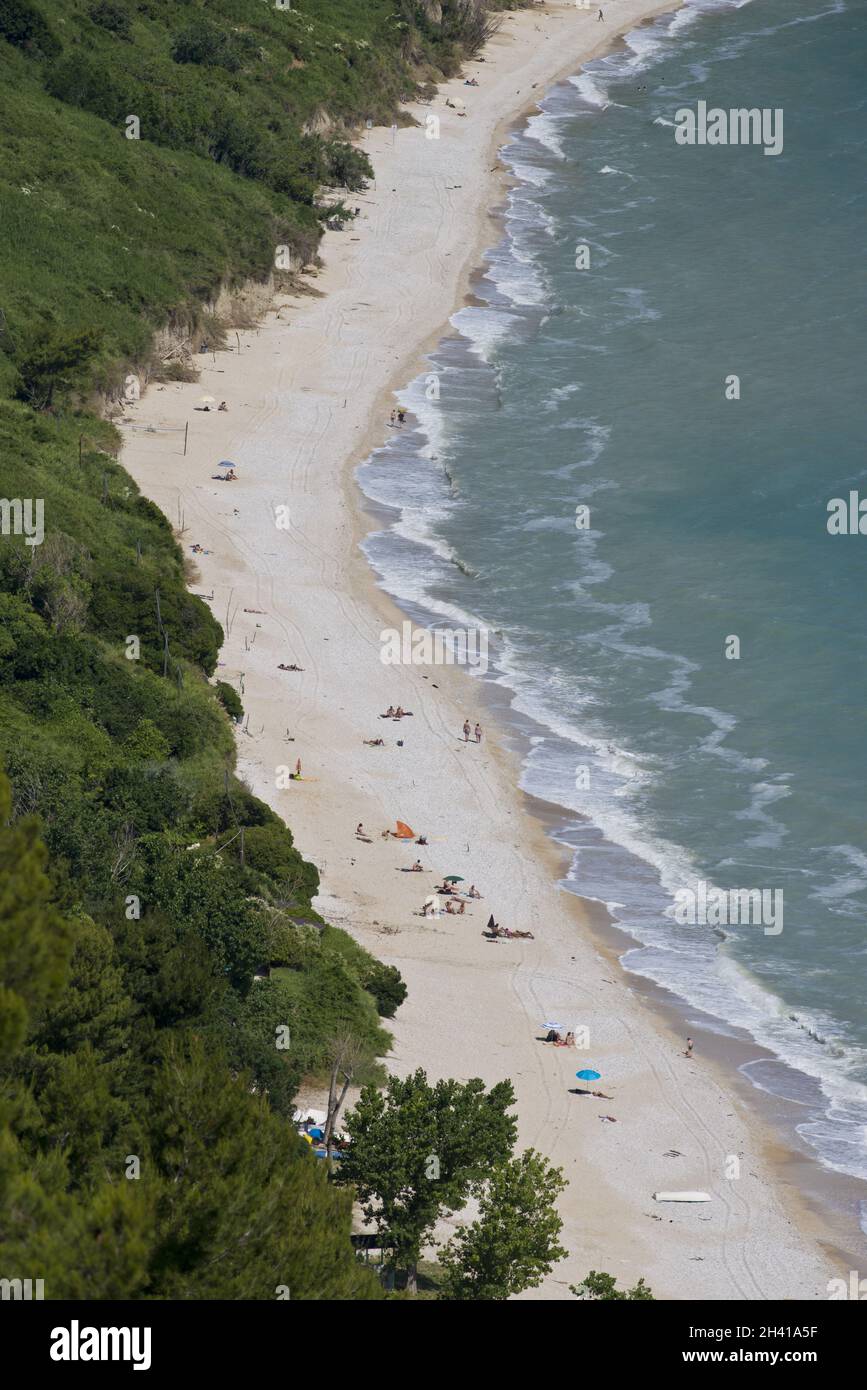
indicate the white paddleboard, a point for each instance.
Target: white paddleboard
{"x":681,"y":1197}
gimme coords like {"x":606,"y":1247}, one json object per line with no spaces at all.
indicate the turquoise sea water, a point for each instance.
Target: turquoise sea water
{"x":605,"y":388}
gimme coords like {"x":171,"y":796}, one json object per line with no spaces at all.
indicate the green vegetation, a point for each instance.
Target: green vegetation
{"x":245,"y":111}
{"x":419,"y":1151}
{"x":166,"y":982}
{"x":513,"y":1244}
{"x":135,"y":1160}
{"x":604,"y":1287}
{"x":230,"y":700}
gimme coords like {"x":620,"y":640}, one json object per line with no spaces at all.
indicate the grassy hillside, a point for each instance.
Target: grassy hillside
{"x":141,"y":885}
{"x":244,"y":112}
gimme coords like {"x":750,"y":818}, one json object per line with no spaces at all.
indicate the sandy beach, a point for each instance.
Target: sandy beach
{"x":308,"y":396}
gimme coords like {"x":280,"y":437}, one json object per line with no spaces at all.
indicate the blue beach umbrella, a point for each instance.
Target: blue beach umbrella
{"x":557,"y":1027}
{"x":588,"y":1075}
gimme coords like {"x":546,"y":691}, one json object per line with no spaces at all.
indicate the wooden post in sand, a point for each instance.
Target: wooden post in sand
{"x":186,"y":432}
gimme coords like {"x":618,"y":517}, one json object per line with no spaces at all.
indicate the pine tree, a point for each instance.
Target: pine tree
{"x":245,"y":1211}
{"x":35,"y":941}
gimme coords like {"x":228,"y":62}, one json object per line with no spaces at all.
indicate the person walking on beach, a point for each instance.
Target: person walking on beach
{"x":478,"y":733}
{"x":466,"y":731}
{"x":600,"y":16}
{"x":689,"y":1047}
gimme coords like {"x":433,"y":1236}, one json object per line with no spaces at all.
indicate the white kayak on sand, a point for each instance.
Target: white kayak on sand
{"x":681,"y":1197}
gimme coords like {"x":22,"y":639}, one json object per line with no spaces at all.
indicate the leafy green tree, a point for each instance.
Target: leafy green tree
{"x":200,"y":887}
{"x":250,"y":1029}
{"x":603,"y":1286}
{"x":514,"y":1242}
{"x":415,"y":1151}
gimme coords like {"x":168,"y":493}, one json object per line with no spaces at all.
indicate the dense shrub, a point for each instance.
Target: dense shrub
{"x":145,"y":743}
{"x":90,"y":83}
{"x":269,"y":850}
{"x":230,"y":700}
{"x":24,"y":26}
{"x":111,"y":17}
{"x":207,"y":44}
{"x":347,"y":167}
{"x":386,"y":985}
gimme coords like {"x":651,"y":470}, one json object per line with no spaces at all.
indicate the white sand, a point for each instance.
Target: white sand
{"x":308,"y":397}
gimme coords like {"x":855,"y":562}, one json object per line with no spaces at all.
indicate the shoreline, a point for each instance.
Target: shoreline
{"x":330,"y":589}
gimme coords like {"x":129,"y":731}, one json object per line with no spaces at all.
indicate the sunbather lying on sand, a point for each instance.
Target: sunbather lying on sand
{"x":455,"y":911}
{"x":493,"y":931}
{"x":283,"y":667}
{"x":374,"y":742}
